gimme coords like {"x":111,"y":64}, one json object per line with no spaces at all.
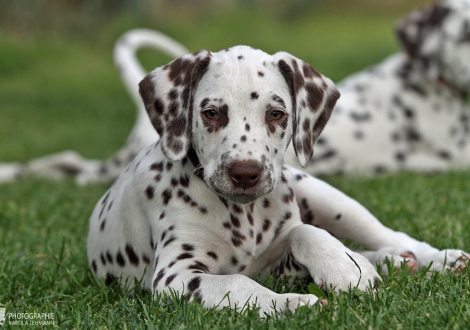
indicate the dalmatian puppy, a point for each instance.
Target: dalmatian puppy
{"x":211,"y":204}
{"x":409,"y":112}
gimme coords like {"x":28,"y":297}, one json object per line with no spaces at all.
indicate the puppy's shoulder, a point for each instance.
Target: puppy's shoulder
{"x":150,"y":171}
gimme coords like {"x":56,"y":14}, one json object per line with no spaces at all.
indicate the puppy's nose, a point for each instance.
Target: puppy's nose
{"x":245,"y":174}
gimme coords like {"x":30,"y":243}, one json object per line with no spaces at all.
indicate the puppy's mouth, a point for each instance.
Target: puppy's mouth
{"x":241,"y":198}
{"x":244,"y":196}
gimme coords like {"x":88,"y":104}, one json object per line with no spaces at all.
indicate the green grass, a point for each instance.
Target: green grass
{"x":44,"y":267}
{"x":61,"y":94}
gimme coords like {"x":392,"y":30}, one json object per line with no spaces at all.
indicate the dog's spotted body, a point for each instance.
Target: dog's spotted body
{"x":409,"y":112}
{"x":211,"y":204}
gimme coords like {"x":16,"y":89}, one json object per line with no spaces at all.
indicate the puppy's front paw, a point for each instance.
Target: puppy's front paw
{"x":397,"y":257}
{"x":332,"y":265}
{"x":453,"y":260}
{"x":279,"y":302}
{"x":295,"y":301}
{"x":348,"y":270}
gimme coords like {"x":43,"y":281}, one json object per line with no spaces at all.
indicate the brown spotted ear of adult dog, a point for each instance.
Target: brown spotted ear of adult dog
{"x":414,"y":31}
{"x":313,"y":99}
{"x":167,"y":93}
{"x":437,"y":42}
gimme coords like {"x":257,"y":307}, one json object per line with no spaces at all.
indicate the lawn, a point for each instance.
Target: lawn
{"x":62,"y":92}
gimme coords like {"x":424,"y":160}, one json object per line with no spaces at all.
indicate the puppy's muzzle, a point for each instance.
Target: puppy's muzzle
{"x":245,"y":174}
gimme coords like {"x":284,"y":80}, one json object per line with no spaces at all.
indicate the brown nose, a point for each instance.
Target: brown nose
{"x":245,"y":174}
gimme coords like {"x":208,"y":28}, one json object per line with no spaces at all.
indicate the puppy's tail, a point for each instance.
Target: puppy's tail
{"x":70,"y":164}
{"x":132,"y":72}
{"x":126,"y":60}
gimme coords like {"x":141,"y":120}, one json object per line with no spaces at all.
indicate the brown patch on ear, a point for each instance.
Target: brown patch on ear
{"x":314,"y":96}
{"x":310,"y":72}
{"x":313,"y":99}
{"x":309,"y":89}
{"x":288,"y":74}
{"x":196,"y":75}
{"x":167,"y":93}
{"x":325,"y":115}
{"x":299,"y":80}
{"x":147,"y":90}
{"x":437,"y":15}
{"x":154,"y":106}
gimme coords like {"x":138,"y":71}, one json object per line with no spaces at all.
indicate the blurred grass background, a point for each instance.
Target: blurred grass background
{"x":59,"y":89}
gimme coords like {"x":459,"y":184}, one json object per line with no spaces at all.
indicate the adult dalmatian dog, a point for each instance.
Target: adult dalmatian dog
{"x":409,"y":112}
{"x":211,"y":204}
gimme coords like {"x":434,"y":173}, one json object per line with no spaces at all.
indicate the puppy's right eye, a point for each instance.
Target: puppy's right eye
{"x":211,"y":114}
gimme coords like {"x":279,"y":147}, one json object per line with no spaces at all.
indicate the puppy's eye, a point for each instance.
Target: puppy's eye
{"x":276,"y":115}
{"x":211,"y":114}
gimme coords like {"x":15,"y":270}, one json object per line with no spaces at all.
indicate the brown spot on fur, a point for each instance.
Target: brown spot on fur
{"x":169,"y":279}
{"x":234,"y":261}
{"x":185,"y":256}
{"x":149,"y":192}
{"x":166,"y":195}
{"x":199,"y":266}
{"x":131,"y":255}
{"x":310,"y":72}
{"x":160,"y":275}
{"x":223,"y":116}
{"x":266,"y":225}
{"x":259,"y":238}
{"x":120,"y":259}
{"x":204,"y":103}
{"x":308,"y":217}
{"x":314,"y":97}
{"x":235,"y":221}
{"x":109,"y":257}
{"x":250,"y":219}
{"x":157,"y":167}
{"x":176,"y":127}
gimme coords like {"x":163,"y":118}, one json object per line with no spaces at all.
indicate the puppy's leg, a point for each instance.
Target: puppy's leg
{"x":236,"y":291}
{"x":330,"y":263}
{"x":323,"y":206}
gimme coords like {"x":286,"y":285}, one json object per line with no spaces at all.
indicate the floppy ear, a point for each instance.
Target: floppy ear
{"x":313,"y":99}
{"x":167,"y":93}
{"x":414,"y":31}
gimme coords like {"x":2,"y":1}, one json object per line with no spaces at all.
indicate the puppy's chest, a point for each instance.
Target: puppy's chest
{"x":244,"y":237}
{"x":182,"y":209}
{"x":242,"y":227}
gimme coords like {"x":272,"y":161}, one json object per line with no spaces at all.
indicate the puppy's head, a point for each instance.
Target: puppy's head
{"x":437,"y":38}
{"x":238,"y":109}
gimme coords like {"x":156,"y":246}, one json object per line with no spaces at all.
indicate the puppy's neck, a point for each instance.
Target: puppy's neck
{"x":199,"y":170}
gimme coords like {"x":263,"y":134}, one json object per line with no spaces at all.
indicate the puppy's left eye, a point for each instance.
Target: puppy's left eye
{"x":211,"y":114}
{"x":276,"y":115}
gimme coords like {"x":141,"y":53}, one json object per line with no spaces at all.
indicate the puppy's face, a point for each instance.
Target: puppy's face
{"x":238,"y":109}
{"x":242,"y":123}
